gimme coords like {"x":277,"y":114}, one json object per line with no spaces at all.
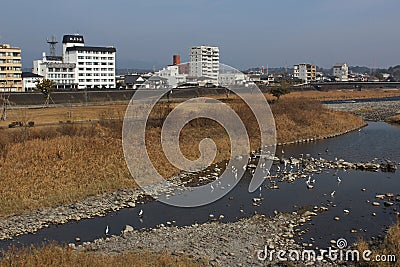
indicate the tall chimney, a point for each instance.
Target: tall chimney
{"x":176,"y":60}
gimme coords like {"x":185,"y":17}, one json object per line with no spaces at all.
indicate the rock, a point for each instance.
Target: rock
{"x":346,"y":211}
{"x":388,"y":203}
{"x":77,"y":239}
{"x":374,"y":214}
{"x":309,"y":213}
{"x":221,"y":217}
{"x":389,"y":194}
{"x":309,"y":186}
{"x":128,"y":229}
{"x":376,"y":204}
{"x":336,"y":219}
{"x":380,"y":196}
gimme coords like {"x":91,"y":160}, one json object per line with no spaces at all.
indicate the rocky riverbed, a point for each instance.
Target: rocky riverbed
{"x":222,"y":244}
{"x":371,"y":111}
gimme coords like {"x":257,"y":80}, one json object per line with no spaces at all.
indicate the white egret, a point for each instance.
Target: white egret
{"x":107,"y":230}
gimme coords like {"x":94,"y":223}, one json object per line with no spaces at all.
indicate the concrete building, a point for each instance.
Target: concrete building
{"x":10,"y":69}
{"x":172,"y":75}
{"x":79,"y":66}
{"x":305,"y":72}
{"x":341,"y":72}
{"x":204,"y":62}
{"x":53,"y":68}
{"x":29,"y":80}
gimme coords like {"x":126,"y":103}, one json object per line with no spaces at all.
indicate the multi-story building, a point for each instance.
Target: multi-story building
{"x":341,"y":72}
{"x":10,"y":69}
{"x":305,"y":72}
{"x":30,"y":80}
{"x":95,"y":66}
{"x":204,"y":62}
{"x":53,"y":68}
{"x":80,"y":66}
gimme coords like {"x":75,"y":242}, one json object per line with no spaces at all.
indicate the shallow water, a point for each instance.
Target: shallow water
{"x":378,"y":140}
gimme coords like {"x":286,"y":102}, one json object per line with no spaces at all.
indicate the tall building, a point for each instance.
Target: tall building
{"x":305,"y":72}
{"x":204,"y":62}
{"x":79,"y":66}
{"x":341,"y":72}
{"x":10,"y":69}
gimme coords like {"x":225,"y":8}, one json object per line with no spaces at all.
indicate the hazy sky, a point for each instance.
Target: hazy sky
{"x":249,"y":33}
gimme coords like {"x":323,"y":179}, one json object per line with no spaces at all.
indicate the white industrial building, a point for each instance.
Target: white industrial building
{"x":173,"y":76}
{"x":80,"y":66}
{"x":204,"y":62}
{"x":53,"y":68}
{"x":341,"y":72}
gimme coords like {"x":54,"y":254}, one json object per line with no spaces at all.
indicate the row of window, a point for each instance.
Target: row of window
{"x":10,"y":68}
{"x":64,"y":81}
{"x":97,"y":69}
{"x":95,"y":58}
{"x":95,"y":80}
{"x":61,"y":70}
{"x":96,"y":74}
{"x":15,"y":75}
{"x":9,"y":54}
{"x":61,"y":75}
{"x":95,"y":63}
{"x":95,"y":52}
{"x":14,"y":61}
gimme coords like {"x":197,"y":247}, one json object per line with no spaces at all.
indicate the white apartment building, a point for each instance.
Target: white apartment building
{"x":204,"y":62}
{"x":305,"y":72}
{"x":92,"y":67}
{"x":53,"y":68}
{"x":29,"y":80}
{"x":341,"y":72}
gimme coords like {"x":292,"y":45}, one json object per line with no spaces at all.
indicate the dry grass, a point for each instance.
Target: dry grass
{"x":389,"y":246}
{"x":343,"y":94}
{"x":53,"y":255}
{"x":55,"y":165}
{"x":301,"y":118}
{"x":394,"y":119}
{"x":55,"y":115}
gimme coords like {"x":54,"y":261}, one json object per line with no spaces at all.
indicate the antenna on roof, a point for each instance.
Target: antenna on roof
{"x":52,"y":42}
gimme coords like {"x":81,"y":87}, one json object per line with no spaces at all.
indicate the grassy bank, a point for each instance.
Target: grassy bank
{"x":53,"y":255}
{"x":55,"y":165}
{"x":394,"y":119}
{"x":389,"y":246}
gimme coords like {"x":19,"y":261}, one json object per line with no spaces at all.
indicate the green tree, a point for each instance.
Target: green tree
{"x":278,"y":91}
{"x":45,"y":87}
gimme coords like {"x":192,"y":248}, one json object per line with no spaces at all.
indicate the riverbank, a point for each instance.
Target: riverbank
{"x":394,"y":119}
{"x":223,"y":244}
{"x":84,"y":165}
{"x":54,"y":166}
{"x":370,"y":111}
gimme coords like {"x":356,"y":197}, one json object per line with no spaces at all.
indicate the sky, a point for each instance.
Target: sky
{"x":249,"y":33}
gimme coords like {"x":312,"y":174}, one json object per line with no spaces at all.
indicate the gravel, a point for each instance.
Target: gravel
{"x":371,"y":111}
